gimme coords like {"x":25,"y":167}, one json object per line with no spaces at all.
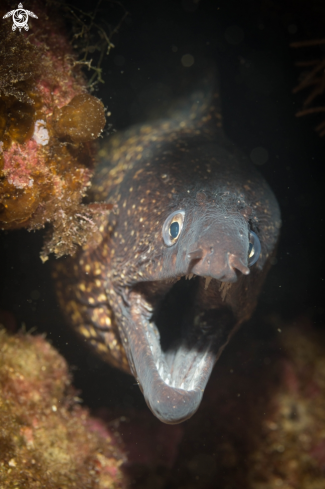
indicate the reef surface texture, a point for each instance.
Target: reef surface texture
{"x":47,"y":440}
{"x":48,"y":124}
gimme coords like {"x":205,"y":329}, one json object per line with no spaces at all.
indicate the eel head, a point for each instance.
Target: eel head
{"x":174,"y":329}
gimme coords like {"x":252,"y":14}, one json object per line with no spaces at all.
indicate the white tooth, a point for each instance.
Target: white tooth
{"x":182,"y":385}
{"x":161,"y":371}
{"x":167,"y":381}
{"x":151,"y":348}
{"x":173,"y":384}
{"x":190,"y":276}
{"x":207,"y":282}
{"x":224,"y":287}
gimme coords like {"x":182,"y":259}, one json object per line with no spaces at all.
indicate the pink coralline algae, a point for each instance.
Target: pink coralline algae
{"x":46,"y":438}
{"x":48,"y":125}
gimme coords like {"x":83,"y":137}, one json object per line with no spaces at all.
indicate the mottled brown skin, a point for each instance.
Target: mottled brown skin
{"x":120,"y":294}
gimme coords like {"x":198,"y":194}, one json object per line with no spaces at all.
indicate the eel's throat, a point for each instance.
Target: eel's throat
{"x":173,"y":381}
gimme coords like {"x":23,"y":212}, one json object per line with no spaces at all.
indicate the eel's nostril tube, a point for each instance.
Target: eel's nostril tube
{"x":195,"y":255}
{"x":235,"y":262}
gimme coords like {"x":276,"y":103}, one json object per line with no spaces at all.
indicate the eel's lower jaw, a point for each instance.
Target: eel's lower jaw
{"x":172,"y":383}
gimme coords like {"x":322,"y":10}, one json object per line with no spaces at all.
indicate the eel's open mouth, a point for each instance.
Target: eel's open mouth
{"x":177,"y":334}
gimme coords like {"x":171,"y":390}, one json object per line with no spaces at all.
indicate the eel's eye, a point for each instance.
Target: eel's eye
{"x":172,"y":227}
{"x":254,"y":248}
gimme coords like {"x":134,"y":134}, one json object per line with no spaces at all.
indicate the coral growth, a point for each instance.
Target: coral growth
{"x":46,"y":438}
{"x":81,"y":120}
{"x":47,"y":127}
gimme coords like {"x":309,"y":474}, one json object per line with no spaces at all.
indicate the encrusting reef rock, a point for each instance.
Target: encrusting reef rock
{"x":47,"y":440}
{"x":48,"y":125}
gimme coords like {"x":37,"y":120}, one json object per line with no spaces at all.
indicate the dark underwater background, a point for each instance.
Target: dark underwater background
{"x":250,"y":43}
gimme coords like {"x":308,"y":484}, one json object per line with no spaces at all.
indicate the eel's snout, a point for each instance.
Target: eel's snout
{"x":222,"y":267}
{"x":220,"y":252}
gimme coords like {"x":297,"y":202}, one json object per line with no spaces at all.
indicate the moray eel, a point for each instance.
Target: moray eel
{"x":180,"y":260}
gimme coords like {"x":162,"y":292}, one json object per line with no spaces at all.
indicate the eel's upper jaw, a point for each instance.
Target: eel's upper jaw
{"x":172,"y":383}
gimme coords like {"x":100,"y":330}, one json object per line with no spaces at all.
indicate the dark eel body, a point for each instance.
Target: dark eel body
{"x":188,"y":205}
